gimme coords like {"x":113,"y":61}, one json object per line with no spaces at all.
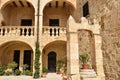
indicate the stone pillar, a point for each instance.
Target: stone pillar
{"x":73,"y":56}
{"x":99,"y":57}
{"x":21,"y":60}
{"x":72,"y":50}
{"x":33,"y":61}
{"x":40,"y":33}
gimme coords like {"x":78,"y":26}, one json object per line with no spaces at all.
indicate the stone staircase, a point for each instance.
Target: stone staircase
{"x":88,"y":74}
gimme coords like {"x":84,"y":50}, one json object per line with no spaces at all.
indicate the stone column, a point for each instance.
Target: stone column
{"x":72,"y":50}
{"x":21,"y":60}
{"x":99,"y":57}
{"x":73,"y":56}
{"x":33,"y":60}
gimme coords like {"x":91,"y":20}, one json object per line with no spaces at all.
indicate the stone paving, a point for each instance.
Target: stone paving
{"x":50,"y":76}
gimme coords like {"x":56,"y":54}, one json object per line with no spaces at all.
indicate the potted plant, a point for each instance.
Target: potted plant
{"x":25,"y":66}
{"x":45,"y":71}
{"x":84,"y":59}
{"x":12,"y":66}
{"x":58,"y":66}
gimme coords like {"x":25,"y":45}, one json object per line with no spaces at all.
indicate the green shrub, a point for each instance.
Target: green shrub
{"x":45,"y":70}
{"x":12,"y":66}
{"x":28,"y":72}
{"x":2,"y":73}
{"x":2,"y":70}
{"x":8,"y":73}
{"x":36,"y":62}
{"x":17,"y":72}
{"x":25,"y":66}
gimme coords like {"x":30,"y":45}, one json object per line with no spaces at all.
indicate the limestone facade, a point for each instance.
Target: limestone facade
{"x":64,"y":32}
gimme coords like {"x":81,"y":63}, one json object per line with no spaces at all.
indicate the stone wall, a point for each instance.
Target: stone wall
{"x":111,"y":42}
{"x":110,"y":31}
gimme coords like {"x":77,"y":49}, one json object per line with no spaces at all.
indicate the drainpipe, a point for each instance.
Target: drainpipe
{"x":38,"y":21}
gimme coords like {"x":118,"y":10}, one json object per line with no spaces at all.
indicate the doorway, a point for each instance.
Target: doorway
{"x":27,"y":58}
{"x":52,"y":61}
{"x":17,"y":57}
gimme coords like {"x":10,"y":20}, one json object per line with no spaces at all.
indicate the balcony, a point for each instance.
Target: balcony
{"x":50,"y":34}
{"x":29,"y":31}
{"x":17,"y":31}
{"x":54,"y":31}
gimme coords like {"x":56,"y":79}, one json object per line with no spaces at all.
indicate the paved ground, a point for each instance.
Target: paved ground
{"x":50,"y":76}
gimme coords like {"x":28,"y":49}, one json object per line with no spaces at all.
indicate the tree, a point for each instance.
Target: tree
{"x":37,"y":63}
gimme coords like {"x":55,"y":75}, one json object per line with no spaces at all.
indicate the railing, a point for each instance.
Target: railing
{"x":54,"y":31}
{"x":17,"y":30}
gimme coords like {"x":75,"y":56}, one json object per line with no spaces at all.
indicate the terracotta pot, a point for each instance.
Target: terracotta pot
{"x":43,"y":75}
{"x":85,"y":66}
{"x":58,"y":72}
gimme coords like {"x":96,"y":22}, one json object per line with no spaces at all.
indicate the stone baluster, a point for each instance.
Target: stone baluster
{"x":57,"y":31}
{"x":16,"y":32}
{"x":5,"y":29}
{"x":9,"y":31}
{"x":27,"y":31}
{"x":2,"y":31}
{"x":48,"y":31}
{"x":32,"y":33}
{"x":52,"y":31}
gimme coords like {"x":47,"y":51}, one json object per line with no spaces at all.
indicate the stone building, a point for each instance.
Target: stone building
{"x":67,"y":28}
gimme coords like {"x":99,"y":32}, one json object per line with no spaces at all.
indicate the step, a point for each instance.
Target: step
{"x":84,"y":78}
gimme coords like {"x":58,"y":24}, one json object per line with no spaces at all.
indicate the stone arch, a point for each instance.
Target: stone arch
{"x":53,"y":16}
{"x":68,"y":1}
{"x":86,"y":44}
{"x":8,"y":51}
{"x":59,"y":47}
{"x":9,"y":7}
{"x":9,"y":1}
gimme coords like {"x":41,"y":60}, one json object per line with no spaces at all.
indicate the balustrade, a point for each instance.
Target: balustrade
{"x":17,"y":31}
{"x":29,"y":31}
{"x":54,"y":31}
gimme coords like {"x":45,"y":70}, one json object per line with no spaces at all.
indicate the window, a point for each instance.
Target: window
{"x":85,"y":9}
{"x":26,"y":22}
{"x":53,"y":22}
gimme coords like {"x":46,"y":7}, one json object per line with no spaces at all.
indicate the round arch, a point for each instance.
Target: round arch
{"x":24,"y":10}
{"x":48,"y":1}
{"x":6,"y":2}
{"x":17,"y":51}
{"x":52,"y":53}
{"x":22,"y":41}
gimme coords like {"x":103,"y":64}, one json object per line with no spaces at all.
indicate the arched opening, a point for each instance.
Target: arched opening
{"x":17,"y":51}
{"x":18,"y":13}
{"x":56,"y":13}
{"x":87,"y":45}
{"x":53,"y":53}
{"x":52,"y":61}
